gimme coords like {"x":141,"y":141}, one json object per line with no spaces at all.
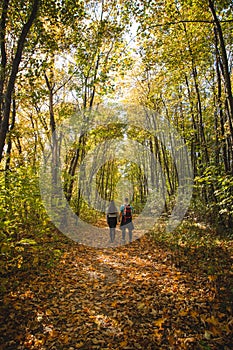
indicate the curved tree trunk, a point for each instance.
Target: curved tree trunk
{"x":14,"y":71}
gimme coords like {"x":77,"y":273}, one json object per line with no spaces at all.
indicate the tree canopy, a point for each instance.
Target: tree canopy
{"x":112,"y":98}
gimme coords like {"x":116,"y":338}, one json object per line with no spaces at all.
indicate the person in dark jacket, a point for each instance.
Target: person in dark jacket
{"x":112,"y":219}
{"x":126,"y":211}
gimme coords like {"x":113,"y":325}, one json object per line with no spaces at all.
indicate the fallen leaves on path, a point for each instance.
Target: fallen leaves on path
{"x":130,"y":297}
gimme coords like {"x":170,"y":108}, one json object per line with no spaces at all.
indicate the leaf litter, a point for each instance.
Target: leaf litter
{"x":136,"y":296}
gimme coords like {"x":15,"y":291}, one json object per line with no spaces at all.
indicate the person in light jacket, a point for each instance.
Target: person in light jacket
{"x":112,"y":219}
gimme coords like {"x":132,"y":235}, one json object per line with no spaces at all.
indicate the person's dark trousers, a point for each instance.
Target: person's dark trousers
{"x":130,"y":235}
{"x":112,"y":234}
{"x":123,"y":233}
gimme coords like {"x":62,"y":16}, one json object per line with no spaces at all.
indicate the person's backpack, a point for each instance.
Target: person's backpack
{"x":127,"y":213}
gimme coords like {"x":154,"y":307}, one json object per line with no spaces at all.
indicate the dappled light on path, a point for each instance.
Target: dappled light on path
{"x":129,"y":297}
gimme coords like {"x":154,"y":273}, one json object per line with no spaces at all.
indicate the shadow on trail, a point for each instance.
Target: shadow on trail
{"x":145,"y":295}
{"x":205,"y":256}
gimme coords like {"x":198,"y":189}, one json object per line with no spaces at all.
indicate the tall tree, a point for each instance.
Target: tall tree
{"x":6,"y":94}
{"x":100,"y":53}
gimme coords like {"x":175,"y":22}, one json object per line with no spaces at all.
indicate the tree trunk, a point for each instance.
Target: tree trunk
{"x":220,"y":112}
{"x":9,"y":145}
{"x":226,"y":71}
{"x":3,"y":52}
{"x":13,"y":75}
{"x":55,"y":161}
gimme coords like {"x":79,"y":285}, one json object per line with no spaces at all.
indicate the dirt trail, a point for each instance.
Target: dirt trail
{"x":130,"y":297}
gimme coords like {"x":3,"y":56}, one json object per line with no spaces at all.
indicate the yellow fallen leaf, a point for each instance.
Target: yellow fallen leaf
{"x":48,"y":312}
{"x":157,"y":333}
{"x":35,"y":260}
{"x":39,"y":342}
{"x":194,"y":314}
{"x":212,"y":320}
{"x":114,"y":304}
{"x":189,"y":340}
{"x":123,"y":344}
{"x":141,"y":306}
{"x":183,"y":313}
{"x":212,"y":278}
{"x":160,"y":322}
{"x":65,"y":339}
{"x":53,"y":334}
{"x":130,"y":323}
{"x":207,"y":335}
{"x":79,"y":345}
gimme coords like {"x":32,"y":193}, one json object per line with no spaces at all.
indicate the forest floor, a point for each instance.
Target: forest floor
{"x":146,"y":295}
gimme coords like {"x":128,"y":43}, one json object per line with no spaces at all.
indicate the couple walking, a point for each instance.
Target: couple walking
{"x":125,"y":219}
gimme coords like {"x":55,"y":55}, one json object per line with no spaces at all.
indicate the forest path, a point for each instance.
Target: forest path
{"x":137,"y":296}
